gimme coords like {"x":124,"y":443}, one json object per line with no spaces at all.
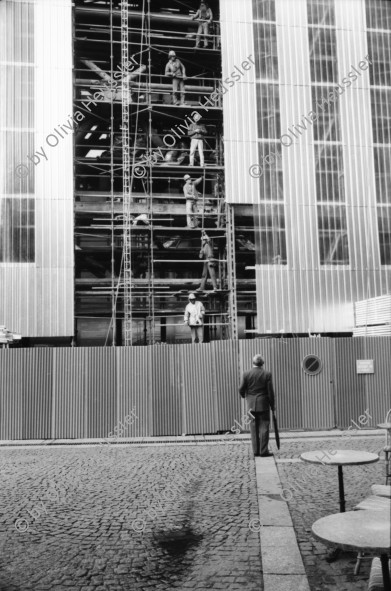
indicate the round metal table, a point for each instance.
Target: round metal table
{"x":340,"y":458}
{"x":358,"y":531}
{"x":387,"y":447}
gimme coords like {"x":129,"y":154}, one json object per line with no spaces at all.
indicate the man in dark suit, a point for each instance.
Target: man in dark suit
{"x":257,"y":388}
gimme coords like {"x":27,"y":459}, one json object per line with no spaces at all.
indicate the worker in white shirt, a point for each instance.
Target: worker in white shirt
{"x":204,"y":17}
{"x":194,"y":317}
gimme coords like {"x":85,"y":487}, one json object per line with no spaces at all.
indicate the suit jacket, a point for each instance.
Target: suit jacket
{"x":257,"y":388}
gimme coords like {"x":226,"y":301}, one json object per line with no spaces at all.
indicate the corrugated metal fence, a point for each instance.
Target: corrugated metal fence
{"x":192,"y":389}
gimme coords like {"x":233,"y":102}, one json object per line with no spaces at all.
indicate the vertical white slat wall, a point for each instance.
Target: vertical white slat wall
{"x":54,"y":177}
{"x":356,"y":130}
{"x":303,"y":294}
{"x":239,"y":102}
{"x":292,"y":296}
{"x":36,"y":297}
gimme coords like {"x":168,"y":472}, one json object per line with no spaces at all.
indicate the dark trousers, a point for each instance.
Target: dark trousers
{"x":259,"y":429}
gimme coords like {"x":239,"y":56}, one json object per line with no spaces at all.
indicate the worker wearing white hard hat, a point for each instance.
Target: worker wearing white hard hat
{"x":192,"y":195}
{"x":176,"y":70}
{"x":194,"y":318}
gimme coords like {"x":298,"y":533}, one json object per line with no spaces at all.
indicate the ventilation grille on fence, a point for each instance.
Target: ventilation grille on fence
{"x":312,"y":365}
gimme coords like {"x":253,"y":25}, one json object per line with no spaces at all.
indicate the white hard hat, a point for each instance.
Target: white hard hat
{"x":186,"y":177}
{"x":192,"y":296}
{"x":171,"y":53}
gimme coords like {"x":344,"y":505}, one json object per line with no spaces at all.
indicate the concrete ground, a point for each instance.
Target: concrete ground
{"x":177,"y":516}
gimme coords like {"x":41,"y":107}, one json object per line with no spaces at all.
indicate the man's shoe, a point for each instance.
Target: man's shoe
{"x":266,"y":455}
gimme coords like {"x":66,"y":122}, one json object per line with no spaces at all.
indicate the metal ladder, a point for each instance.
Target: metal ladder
{"x":231,"y":269}
{"x":127,"y":177}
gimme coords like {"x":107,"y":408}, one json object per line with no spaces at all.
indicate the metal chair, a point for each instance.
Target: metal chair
{"x":381,"y":490}
{"x":387,"y":448}
{"x":373,"y":503}
{"x":376,"y":576}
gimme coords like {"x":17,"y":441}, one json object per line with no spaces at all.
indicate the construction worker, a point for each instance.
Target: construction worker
{"x":192,"y":196}
{"x":204,"y":17}
{"x":194,"y":317}
{"x":206,"y":253}
{"x":197,"y":133}
{"x":176,"y":70}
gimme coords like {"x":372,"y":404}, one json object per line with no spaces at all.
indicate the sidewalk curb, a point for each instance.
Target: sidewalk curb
{"x":277,"y":534}
{"x":185,"y":440}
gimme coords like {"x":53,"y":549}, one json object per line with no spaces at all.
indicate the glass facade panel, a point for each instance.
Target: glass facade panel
{"x":17,"y":230}
{"x":19,"y":178}
{"x":320,"y":12}
{"x":326,"y":126}
{"x":17,"y":204}
{"x":333,"y":236}
{"x":383,"y":174}
{"x":329,"y":173}
{"x":384,"y":224}
{"x":379,"y":50}
{"x":378,"y":14}
{"x":323,"y":54}
{"x":264,"y":10}
{"x":271,"y":181}
{"x":20,"y":20}
{"x":381,"y":116}
{"x":270,"y":234}
{"x":268,"y":111}
{"x":269,"y":218}
{"x":266,"y":60}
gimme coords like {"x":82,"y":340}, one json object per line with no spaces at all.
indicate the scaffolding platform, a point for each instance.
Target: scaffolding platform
{"x":128,"y":269}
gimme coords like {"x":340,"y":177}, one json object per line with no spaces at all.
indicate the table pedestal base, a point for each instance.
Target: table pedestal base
{"x":385,"y":572}
{"x":341,"y":490}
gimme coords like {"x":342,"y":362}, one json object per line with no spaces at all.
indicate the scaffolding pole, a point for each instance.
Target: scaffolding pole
{"x":233,"y":308}
{"x":226,"y":264}
{"x":127,"y":238}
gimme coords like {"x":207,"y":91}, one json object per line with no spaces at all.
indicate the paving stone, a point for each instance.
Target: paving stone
{"x":88,"y":536}
{"x":285,"y":583}
{"x":87,"y":542}
{"x":280,"y":554}
{"x":274,"y":512}
{"x":268,"y":484}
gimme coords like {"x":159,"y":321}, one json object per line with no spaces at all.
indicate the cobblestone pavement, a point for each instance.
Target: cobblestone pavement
{"x":314,"y":491}
{"x":145,"y":518}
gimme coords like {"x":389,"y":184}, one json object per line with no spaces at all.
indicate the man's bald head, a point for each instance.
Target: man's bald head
{"x":258,"y":360}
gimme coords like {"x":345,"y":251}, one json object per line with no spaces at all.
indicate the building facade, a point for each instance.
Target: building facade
{"x":36,"y":171}
{"x":295,"y":192}
{"x":312,"y":155}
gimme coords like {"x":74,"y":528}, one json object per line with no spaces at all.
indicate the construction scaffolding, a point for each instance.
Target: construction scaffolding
{"x":138,"y":229}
